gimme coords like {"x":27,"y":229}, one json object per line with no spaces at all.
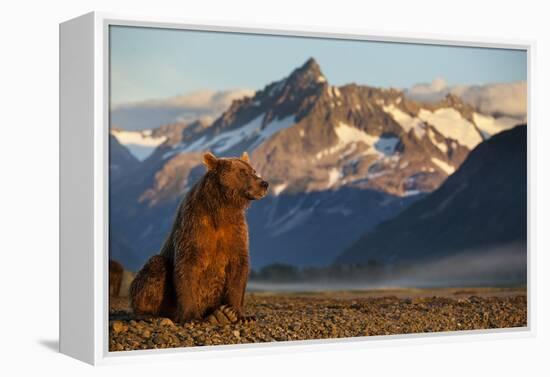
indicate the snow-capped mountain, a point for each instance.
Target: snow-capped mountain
{"x":313,"y":142}
{"x":143,"y":143}
{"x":140,"y":143}
{"x":482,"y":207}
{"x":344,"y":136}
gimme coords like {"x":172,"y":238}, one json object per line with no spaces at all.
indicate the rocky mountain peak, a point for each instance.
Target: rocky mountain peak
{"x":308,"y":76}
{"x":310,"y":71}
{"x":292,"y":95}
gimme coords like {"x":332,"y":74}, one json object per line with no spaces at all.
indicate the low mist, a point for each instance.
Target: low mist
{"x":492,"y":267}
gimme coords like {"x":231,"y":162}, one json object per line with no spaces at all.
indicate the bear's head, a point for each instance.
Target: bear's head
{"x":236,"y":176}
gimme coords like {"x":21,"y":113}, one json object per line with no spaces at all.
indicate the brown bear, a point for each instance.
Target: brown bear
{"x":202,"y":269}
{"x":115,"y":277}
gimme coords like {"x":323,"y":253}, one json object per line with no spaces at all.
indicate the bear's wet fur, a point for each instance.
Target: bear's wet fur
{"x":204,"y":263}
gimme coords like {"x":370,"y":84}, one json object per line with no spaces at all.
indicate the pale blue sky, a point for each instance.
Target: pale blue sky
{"x":149,"y":63}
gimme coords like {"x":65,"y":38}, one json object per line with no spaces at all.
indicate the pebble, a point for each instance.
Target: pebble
{"x":166,"y":322}
{"x":118,"y":327}
{"x":146,"y":333}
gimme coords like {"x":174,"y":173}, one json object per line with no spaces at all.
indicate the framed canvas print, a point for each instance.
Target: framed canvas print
{"x":227,"y":188}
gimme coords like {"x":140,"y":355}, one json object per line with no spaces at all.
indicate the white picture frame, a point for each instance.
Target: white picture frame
{"x":84,"y":184}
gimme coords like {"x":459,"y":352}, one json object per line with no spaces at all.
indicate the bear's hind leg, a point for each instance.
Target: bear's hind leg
{"x":152,"y":292}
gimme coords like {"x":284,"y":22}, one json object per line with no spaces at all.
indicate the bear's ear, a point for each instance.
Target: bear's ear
{"x":244,"y":157}
{"x":210,"y":160}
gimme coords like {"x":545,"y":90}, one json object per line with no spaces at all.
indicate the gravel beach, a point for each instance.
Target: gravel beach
{"x":322,"y":315}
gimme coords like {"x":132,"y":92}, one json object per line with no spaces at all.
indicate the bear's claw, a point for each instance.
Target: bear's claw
{"x":249,"y":319}
{"x":226,"y":315}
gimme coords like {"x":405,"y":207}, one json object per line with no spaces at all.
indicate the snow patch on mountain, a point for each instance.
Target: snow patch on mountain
{"x":252,"y":131}
{"x":333,"y":175}
{"x":452,"y":125}
{"x":272,"y":128}
{"x":349,"y":150}
{"x":228,"y":139}
{"x":405,"y":120}
{"x":277,"y":189}
{"x":448,"y":169}
{"x":333,"y":91}
{"x":440,"y":145}
{"x":140,"y":143}
{"x":448,"y":121}
{"x":348,"y":134}
{"x":491,"y":126}
{"x":349,"y":137}
{"x":194,"y":146}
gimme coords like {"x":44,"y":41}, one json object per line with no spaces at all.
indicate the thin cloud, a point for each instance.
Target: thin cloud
{"x":429,"y":92}
{"x":501,"y":99}
{"x":201,"y":99}
{"x":205,"y":105}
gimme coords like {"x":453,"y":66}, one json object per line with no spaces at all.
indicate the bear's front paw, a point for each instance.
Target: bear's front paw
{"x":224,"y":315}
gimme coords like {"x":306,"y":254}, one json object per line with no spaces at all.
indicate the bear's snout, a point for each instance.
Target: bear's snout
{"x":257,"y":190}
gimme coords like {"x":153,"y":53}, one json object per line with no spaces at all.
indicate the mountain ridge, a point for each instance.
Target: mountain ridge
{"x":482,"y":205}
